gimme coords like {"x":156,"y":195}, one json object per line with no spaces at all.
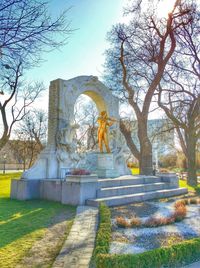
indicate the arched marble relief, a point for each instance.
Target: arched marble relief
{"x":60,"y":152}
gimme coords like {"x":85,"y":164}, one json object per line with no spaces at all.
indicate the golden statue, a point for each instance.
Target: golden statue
{"x":104,"y":121}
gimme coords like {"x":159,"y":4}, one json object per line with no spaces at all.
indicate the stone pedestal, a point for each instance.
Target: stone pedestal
{"x":78,"y":188}
{"x":74,"y":190}
{"x":51,"y":189}
{"x":105,"y":166}
{"x":170,"y":178}
{"x":24,"y":189}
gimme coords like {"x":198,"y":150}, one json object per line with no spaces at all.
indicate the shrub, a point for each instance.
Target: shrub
{"x":122,"y":222}
{"x":135,"y":222}
{"x":194,"y":200}
{"x":154,"y":222}
{"x":170,"y":219}
{"x":180,"y":210}
{"x":80,"y":172}
{"x":174,"y":256}
{"x":187,"y":201}
{"x":104,"y":232}
{"x":180,"y":203}
{"x":178,"y":215}
{"x":163,"y":170}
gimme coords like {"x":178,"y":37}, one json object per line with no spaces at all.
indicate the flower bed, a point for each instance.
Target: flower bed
{"x":173,"y":255}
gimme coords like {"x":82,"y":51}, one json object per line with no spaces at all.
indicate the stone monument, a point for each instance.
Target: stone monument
{"x":60,"y":153}
{"x":47,"y":177}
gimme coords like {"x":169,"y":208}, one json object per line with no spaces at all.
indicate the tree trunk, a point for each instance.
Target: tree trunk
{"x":144,"y":155}
{"x":6,"y":132}
{"x":191,"y":157}
{"x":3,"y":140}
{"x":145,"y":163}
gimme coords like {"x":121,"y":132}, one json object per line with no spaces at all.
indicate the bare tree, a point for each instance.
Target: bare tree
{"x":34,"y":125}
{"x":31,"y":132}
{"x":179,"y":94}
{"x":26,"y":30}
{"x":19,"y":97}
{"x":136,"y":62}
{"x":86,"y":116}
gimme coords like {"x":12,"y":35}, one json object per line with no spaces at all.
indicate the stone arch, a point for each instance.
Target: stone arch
{"x":98,"y":100}
{"x":60,"y":150}
{"x":69,"y":90}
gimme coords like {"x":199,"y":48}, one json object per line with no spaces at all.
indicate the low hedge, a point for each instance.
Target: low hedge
{"x":104,"y":231}
{"x":174,"y":256}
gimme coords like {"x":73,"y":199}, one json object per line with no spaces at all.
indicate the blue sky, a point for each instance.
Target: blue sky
{"x":83,"y":55}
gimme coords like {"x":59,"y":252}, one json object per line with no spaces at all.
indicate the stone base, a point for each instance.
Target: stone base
{"x":170,"y":178}
{"x":105,"y":166}
{"x":78,"y":188}
{"x":75,"y":190}
{"x":45,"y":167}
{"x":51,"y":190}
{"x":25,"y":189}
{"x":107,"y":173}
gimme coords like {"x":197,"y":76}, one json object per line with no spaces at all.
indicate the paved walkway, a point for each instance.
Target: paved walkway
{"x":78,"y":247}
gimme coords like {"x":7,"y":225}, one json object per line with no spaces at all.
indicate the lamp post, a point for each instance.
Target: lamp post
{"x":4,"y":163}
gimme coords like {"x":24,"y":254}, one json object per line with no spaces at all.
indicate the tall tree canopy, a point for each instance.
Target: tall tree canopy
{"x":179,"y":90}
{"x":27,"y":29}
{"x":138,"y":55}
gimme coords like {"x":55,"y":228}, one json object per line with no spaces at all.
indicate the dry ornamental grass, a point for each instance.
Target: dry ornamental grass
{"x":179,"y":214}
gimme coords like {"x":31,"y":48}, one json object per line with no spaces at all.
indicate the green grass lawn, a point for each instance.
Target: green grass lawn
{"x":5,"y":180}
{"x":135,"y":171}
{"x":22,"y":223}
{"x":183,"y":183}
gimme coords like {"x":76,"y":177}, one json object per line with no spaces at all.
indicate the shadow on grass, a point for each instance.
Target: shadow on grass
{"x":19,"y":218}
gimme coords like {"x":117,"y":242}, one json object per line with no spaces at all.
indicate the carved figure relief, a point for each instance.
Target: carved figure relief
{"x":66,"y":144}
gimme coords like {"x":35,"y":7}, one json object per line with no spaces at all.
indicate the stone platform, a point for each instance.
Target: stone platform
{"x":74,"y":190}
{"x":90,"y":190}
{"x":132,"y":189}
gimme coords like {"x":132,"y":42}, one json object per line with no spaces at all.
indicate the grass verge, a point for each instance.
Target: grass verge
{"x":183,"y":183}
{"x":22,"y":223}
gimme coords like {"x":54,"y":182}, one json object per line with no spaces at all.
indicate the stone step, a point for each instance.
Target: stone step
{"x":127,"y":180}
{"x":135,"y":198}
{"x":131,"y":189}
